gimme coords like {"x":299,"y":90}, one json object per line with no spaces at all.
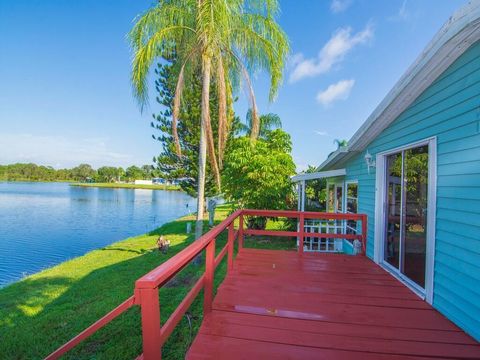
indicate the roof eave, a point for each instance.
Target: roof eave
{"x":318,"y":175}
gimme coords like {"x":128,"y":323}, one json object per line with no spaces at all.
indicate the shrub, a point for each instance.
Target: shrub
{"x":257,"y":173}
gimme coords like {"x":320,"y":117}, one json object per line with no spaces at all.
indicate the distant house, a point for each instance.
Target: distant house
{"x":143,"y":182}
{"x":160,"y":181}
{"x":163,"y":181}
{"x":414,"y":168}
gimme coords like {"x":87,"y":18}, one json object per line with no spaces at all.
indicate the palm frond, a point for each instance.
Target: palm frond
{"x":263,"y":46}
{"x":158,"y":30}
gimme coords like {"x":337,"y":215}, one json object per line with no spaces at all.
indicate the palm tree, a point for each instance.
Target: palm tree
{"x":267,"y":122}
{"x":340,"y":143}
{"x":226,"y":40}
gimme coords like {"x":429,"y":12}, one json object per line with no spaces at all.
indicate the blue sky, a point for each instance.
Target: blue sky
{"x":65,"y":96}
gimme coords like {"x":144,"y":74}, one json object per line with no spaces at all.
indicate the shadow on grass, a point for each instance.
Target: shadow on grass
{"x":111,"y":248}
{"x":38,"y":315}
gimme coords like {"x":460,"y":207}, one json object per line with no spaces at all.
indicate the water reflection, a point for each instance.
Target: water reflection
{"x":43,"y":224}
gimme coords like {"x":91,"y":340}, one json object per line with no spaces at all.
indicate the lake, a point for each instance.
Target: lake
{"x":43,"y":224}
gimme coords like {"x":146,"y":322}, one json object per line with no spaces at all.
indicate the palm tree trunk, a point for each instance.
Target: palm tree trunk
{"x":202,"y":156}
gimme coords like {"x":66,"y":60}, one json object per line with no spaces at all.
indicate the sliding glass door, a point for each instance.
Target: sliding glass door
{"x":406,"y":196}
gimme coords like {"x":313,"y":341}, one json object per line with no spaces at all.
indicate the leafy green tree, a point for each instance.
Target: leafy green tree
{"x":82,"y":172}
{"x":225,"y":39}
{"x":63,"y":175}
{"x":268,"y":122}
{"x":133,"y":173}
{"x":257,"y":174}
{"x":31,"y":172}
{"x":316,"y":192}
{"x":120,"y":174}
{"x":107,"y":174}
{"x":148,"y":171}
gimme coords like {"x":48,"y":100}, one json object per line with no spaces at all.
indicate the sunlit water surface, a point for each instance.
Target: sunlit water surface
{"x":43,"y":224}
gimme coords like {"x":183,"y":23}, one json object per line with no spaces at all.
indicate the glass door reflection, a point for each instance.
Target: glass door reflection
{"x":416,"y":192}
{"x":393,"y":210}
{"x":406,"y":213}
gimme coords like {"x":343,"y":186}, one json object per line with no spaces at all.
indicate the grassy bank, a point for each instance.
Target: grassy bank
{"x":45,"y":310}
{"x":128,"y":186}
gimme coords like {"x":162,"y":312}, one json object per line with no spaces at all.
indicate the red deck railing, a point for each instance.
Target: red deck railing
{"x":146,"y":293}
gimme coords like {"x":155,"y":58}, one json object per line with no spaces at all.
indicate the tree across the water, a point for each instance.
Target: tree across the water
{"x":82,"y":172}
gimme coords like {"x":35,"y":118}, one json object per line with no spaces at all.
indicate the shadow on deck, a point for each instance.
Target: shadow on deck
{"x":279,"y":305}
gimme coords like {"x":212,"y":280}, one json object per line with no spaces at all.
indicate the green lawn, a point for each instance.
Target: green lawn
{"x":128,"y":186}
{"x":45,"y":310}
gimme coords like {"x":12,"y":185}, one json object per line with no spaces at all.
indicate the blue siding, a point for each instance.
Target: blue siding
{"x":450,"y":110}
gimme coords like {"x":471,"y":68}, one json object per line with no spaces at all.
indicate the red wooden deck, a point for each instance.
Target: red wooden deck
{"x":279,"y":305}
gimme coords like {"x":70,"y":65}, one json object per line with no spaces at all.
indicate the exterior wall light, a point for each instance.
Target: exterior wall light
{"x":369,"y":161}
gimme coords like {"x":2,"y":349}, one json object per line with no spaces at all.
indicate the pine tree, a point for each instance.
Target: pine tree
{"x":170,"y":165}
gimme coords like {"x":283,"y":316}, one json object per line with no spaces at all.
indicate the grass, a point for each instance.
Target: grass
{"x":45,"y":310}
{"x":128,"y":186}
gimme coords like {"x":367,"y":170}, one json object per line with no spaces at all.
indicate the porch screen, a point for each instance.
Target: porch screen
{"x":351,"y":206}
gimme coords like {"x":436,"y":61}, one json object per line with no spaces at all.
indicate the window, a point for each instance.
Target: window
{"x":352,"y":206}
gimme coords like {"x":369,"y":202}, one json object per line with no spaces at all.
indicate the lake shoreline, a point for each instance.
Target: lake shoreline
{"x":128,"y":186}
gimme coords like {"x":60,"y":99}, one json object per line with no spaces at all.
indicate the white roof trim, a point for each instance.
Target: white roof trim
{"x":460,"y":32}
{"x":338,"y":154}
{"x":318,"y":175}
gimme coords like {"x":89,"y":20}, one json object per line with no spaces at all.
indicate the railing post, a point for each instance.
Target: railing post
{"x":150,"y":310}
{"x":364,"y":234}
{"x":301,"y":232}
{"x":231,"y":234}
{"x":209,"y":273}
{"x":240,"y":232}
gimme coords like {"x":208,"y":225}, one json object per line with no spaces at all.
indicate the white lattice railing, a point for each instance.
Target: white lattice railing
{"x":315,"y":243}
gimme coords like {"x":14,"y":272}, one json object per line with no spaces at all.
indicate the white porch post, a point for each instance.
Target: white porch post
{"x":303,"y":196}
{"x":299,"y":196}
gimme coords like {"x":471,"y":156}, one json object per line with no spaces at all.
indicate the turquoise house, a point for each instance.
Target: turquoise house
{"x":414,"y":168}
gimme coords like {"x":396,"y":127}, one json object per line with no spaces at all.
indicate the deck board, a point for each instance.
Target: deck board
{"x":278,"y":305}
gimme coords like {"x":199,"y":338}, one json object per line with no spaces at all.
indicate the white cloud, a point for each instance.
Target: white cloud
{"x":402,"y":14}
{"x":338,"y":91}
{"x":294,"y":60}
{"x":337,"y":6}
{"x":59,"y":151}
{"x":332,"y":53}
{"x":322,"y":133}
